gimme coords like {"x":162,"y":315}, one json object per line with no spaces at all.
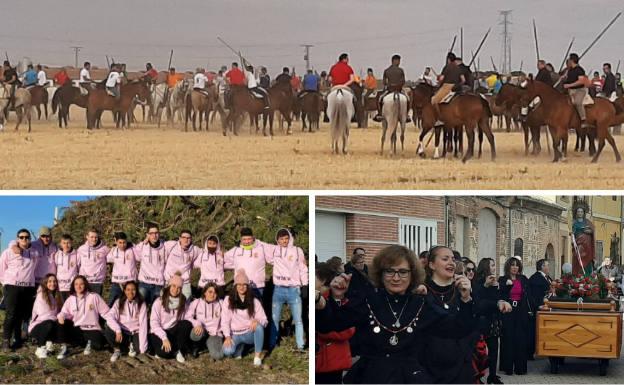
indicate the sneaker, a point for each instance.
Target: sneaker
{"x":195,"y":353}
{"x":115,"y":356}
{"x":257,"y":361}
{"x":131,"y":352}
{"x":49,"y":346}
{"x":87,"y":349}
{"x":62,"y":352}
{"x":494,"y":380}
{"x":238,"y":357}
{"x":378,"y":118}
{"x":41,"y":352}
{"x":180,"y":357}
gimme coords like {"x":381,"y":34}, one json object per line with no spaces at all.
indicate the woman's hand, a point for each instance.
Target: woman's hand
{"x":504,"y":307}
{"x":118,"y":337}
{"x":253,"y":325}
{"x":61,"y":319}
{"x":166,"y":345}
{"x":463,"y":284}
{"x":339,"y":285}
{"x":490,"y":281}
{"x":228,"y":342}
{"x":421,"y":290}
{"x":198,"y":330}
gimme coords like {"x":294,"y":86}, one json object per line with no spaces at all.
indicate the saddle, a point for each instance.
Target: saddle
{"x":588,"y":100}
{"x":610,"y":98}
{"x":257,"y":94}
{"x":373,"y":95}
{"x":450,"y":96}
{"x":201,"y":91}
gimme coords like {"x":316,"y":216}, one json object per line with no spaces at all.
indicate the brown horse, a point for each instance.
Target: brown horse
{"x":198,"y":103}
{"x":467,"y":110}
{"x":560,"y":115}
{"x":99,"y":100}
{"x":311,"y":107}
{"x":39,"y":96}
{"x":282,"y":100}
{"x":242,"y":101}
{"x":63,"y":98}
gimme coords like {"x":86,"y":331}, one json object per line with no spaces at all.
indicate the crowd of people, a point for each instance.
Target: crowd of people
{"x":152,"y":305}
{"x":431,"y":318}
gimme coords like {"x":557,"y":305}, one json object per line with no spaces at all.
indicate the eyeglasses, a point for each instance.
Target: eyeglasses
{"x":390,"y":273}
{"x":468,"y":270}
{"x":44,"y":236}
{"x":23,"y":237}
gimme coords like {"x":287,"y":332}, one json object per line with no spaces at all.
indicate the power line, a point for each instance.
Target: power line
{"x":506,"y":43}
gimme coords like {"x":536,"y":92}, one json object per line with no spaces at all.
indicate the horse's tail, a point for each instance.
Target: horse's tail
{"x":55,"y":101}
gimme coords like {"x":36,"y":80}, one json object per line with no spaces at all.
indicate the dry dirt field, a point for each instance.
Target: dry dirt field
{"x":146,"y":157}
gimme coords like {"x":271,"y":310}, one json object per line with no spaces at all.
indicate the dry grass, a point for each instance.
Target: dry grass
{"x":146,"y":157}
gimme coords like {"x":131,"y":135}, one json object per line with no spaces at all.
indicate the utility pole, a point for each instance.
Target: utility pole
{"x":76,"y":50}
{"x":306,"y":56}
{"x":506,"y":42}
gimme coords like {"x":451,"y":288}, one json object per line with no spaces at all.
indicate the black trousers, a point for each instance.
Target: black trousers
{"x":127,"y":338}
{"x":329,"y":377}
{"x":492,"y":344}
{"x":49,"y":330}
{"x":178,"y":336}
{"x":73,"y":335}
{"x":531,"y":337}
{"x":514,"y":341}
{"x":19,"y":302}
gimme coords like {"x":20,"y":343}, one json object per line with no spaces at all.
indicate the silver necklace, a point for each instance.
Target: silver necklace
{"x":397,"y":324}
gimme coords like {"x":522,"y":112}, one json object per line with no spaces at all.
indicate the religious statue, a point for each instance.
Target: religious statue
{"x":583,"y":249}
{"x":615,"y":248}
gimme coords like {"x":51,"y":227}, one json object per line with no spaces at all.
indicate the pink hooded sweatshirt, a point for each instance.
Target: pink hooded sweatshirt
{"x":93,"y":262}
{"x":85,"y":312}
{"x":124,"y":265}
{"x":253,"y":262}
{"x":180,"y":260}
{"x":289,"y":267}
{"x":206,"y":314}
{"x":211,"y":266}
{"x":237,"y":321}
{"x":153,"y":261}
{"x":161,"y":320}
{"x":67,"y":267}
{"x":133,"y":320}
{"x":42,"y":311}
{"x":18,"y":269}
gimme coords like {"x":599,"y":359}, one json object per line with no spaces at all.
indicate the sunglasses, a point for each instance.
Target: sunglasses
{"x":469,"y":269}
{"x":22,"y":237}
{"x":44,"y":236}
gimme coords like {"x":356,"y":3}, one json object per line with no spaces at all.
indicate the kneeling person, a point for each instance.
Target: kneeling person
{"x":205,"y":315}
{"x":126,"y":323}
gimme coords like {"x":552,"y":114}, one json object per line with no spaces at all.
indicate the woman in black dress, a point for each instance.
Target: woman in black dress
{"x":394,"y":321}
{"x":514,"y":288}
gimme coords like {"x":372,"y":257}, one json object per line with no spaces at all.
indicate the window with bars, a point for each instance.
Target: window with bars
{"x":418,"y":234}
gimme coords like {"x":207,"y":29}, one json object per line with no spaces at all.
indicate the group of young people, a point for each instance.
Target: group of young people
{"x":152,"y":306}
{"x":435,"y":318}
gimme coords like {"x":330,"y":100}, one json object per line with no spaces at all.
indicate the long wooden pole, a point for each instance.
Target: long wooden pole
{"x":600,"y":35}
{"x":493,"y":65}
{"x":461,"y":41}
{"x":536,"y":43}
{"x":474,"y":56}
{"x":453,"y":44}
{"x":565,"y":56}
{"x":170,"y":58}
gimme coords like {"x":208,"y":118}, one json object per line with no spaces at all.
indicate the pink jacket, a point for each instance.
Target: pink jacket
{"x":93,"y":262}
{"x":67,"y":266}
{"x":153,"y":261}
{"x":45,"y":265}
{"x":289,"y":265}
{"x":211,"y":266}
{"x":237,"y":321}
{"x":133,"y":320}
{"x":180,"y":260}
{"x":252,"y":261}
{"x":208,"y":315}
{"x":124,"y":265}
{"x":160,"y":320}
{"x":18,"y":269}
{"x":85,"y":312}
{"x":42,"y":312}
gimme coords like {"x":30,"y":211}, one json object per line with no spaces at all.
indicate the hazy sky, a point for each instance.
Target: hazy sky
{"x":269,"y":32}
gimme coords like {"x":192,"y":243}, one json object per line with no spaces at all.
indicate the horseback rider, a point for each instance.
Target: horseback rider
{"x":221,"y":85}
{"x":341,"y":73}
{"x":311,"y":83}
{"x":85,"y":81}
{"x":576,"y":84}
{"x":429,"y":77}
{"x":610,"y":83}
{"x":234,"y":77}
{"x":264,"y":80}
{"x":467,"y":82}
{"x":448,"y":79}
{"x":393,"y":81}
{"x":172,"y":79}
{"x":10,"y":77}
{"x":199,"y":81}
{"x":30,"y":77}
{"x":151,"y":75}
{"x":113,"y":82}
{"x":370,"y":83}
{"x":61,"y":78}
{"x":284,"y":77}
{"x":543,"y":75}
{"x":42,"y":79}
{"x":252,"y":85}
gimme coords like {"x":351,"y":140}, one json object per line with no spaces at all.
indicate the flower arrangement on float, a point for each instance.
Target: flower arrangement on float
{"x":592,"y":287}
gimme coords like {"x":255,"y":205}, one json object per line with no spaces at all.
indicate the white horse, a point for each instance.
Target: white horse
{"x":177,"y":101}
{"x":340,"y":110}
{"x":21,"y":105}
{"x":394,"y":112}
{"x":158,"y":102}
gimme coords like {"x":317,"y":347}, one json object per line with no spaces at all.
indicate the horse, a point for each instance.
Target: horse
{"x":177,"y":101}
{"x":281,"y":99}
{"x":511,"y":97}
{"x":21,"y":106}
{"x":466,"y":110}
{"x":199,"y":103}
{"x":157,"y":102}
{"x":39,"y":96}
{"x":340,"y":110}
{"x":394,"y":112}
{"x":311,"y":107}
{"x":560,"y":115}
{"x":360,"y":115}
{"x":243,"y":101}
{"x":99,"y":100}
{"x":63,"y":98}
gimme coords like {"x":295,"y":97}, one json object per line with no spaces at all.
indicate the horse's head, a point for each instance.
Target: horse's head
{"x":507,"y":95}
{"x":421,"y":95}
